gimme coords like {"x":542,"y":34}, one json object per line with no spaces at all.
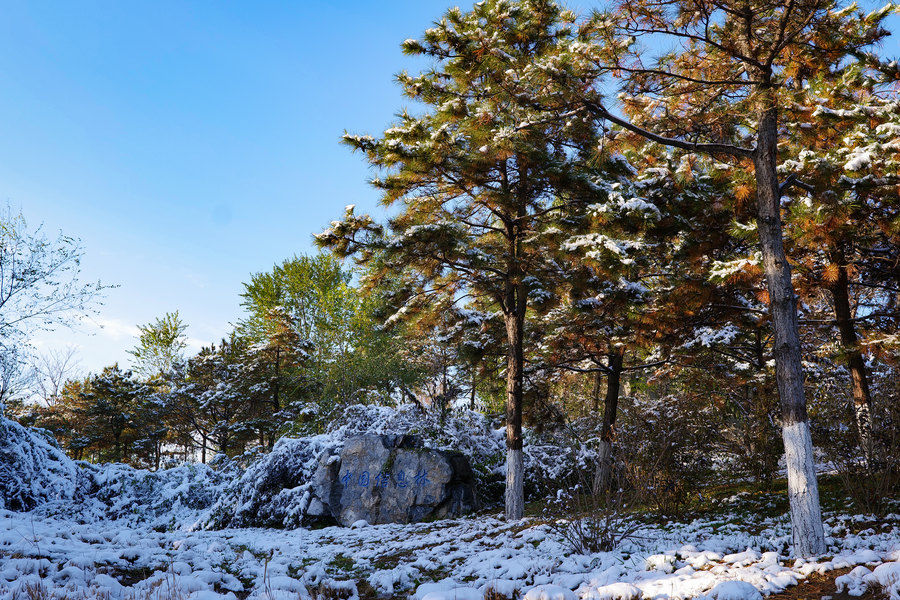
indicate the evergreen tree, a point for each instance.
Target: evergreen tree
{"x":726,"y":91}
{"x":845,"y":226}
{"x":479,"y":177}
{"x":109,"y":403}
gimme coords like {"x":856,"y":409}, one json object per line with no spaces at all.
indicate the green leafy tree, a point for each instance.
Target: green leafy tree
{"x":161,"y":344}
{"x":310,"y":304}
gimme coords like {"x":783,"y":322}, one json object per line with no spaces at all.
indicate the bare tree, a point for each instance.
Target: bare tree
{"x":40,"y":288}
{"x":13,"y":376}
{"x":40,"y":279}
{"x":50,"y":371}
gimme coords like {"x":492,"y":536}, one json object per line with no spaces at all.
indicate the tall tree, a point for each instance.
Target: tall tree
{"x":318,"y":305}
{"x":723,"y":89}
{"x":478,"y":177}
{"x":844,"y":228}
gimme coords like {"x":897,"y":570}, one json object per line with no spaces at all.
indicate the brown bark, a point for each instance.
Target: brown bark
{"x":514,"y":305}
{"x":803,"y":490}
{"x":862,"y":398}
{"x":603,"y":472}
{"x":595,"y":391}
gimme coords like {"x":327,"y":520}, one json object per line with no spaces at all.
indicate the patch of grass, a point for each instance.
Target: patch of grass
{"x":130,"y":576}
{"x":345,"y":564}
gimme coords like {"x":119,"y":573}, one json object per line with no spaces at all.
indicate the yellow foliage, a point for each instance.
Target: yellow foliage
{"x":743,"y":192}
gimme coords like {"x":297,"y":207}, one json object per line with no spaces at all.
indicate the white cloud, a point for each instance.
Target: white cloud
{"x":114,"y":328}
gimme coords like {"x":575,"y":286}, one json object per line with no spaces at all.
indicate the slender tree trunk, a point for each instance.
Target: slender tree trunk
{"x":277,"y":386}
{"x":862,"y":398}
{"x":203,"y":450}
{"x":514,"y":303}
{"x":603,"y":472}
{"x":803,"y":489}
{"x":595,"y":391}
{"x":515,"y":467}
{"x":117,"y":448}
{"x":474,"y":387}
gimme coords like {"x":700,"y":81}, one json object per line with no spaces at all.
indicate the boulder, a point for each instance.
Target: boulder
{"x":391,"y":479}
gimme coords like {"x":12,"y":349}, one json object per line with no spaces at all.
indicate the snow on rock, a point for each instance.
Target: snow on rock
{"x":613,"y":591}
{"x":269,"y":490}
{"x":549,"y":592}
{"x":120,"y":533}
{"x":735,"y":590}
{"x":274,"y":491}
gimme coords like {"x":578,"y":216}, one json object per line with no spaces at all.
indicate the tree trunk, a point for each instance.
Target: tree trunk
{"x":474,"y":388}
{"x":203,"y":450}
{"x":515,"y":302}
{"x":595,"y":391}
{"x":603,"y":472}
{"x":803,"y":489}
{"x":515,"y":468}
{"x":862,"y":398}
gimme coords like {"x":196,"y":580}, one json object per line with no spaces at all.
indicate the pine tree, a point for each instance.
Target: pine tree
{"x":846,"y":146}
{"x":478,"y":176}
{"x":110,"y":403}
{"x":725,"y":91}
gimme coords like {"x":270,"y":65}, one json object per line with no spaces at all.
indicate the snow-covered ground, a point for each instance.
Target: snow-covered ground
{"x":726,"y":558}
{"x":75,"y":530}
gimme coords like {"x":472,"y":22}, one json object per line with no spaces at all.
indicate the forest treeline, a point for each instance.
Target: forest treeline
{"x":582,"y":216}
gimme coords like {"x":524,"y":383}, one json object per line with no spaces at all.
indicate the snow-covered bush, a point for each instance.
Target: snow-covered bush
{"x":34,"y":469}
{"x":273,"y":491}
{"x":166,"y":499}
{"x":35,"y":474}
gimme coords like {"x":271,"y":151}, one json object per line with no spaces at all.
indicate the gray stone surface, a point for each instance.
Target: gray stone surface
{"x":391,"y":479}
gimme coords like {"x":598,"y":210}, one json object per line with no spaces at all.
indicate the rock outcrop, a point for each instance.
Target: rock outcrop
{"x":391,"y":479}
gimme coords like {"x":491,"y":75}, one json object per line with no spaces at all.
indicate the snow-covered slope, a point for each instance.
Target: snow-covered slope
{"x":268,"y":490}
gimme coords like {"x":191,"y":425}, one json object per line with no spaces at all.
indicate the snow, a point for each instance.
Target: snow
{"x":268,"y":490}
{"x":456,"y":593}
{"x":722,"y":558}
{"x":858,"y":160}
{"x":735,"y":590}
{"x":613,"y":591}
{"x":860,"y":579}
{"x":549,"y":592}
{"x":116,"y":532}
{"x":33,"y":469}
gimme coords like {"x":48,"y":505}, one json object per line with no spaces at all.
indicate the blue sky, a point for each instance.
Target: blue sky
{"x":191,"y":144}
